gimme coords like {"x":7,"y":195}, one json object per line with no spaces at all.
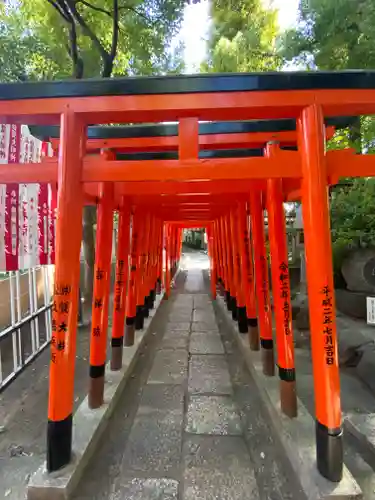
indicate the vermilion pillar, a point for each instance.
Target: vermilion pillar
{"x":224,"y":247}
{"x":237,"y":298}
{"x":121,"y":282}
{"x":261,"y":282}
{"x":252,"y":316}
{"x":231,"y":302}
{"x":321,"y":293}
{"x":210,"y":242}
{"x":151,"y":279}
{"x":139,"y":278}
{"x":144,"y":267}
{"x":281,"y":295}
{"x":247,"y":277}
{"x":240,"y":277}
{"x":102,"y":276}
{"x":159,"y":259}
{"x":131,"y":295}
{"x":65,"y":302}
{"x":217,"y":241}
{"x":167,"y":243}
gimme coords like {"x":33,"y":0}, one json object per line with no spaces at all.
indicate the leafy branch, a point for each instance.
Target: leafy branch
{"x":68,"y":10}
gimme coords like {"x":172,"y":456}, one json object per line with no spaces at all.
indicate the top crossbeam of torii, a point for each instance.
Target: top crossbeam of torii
{"x":209,"y":97}
{"x":191,"y":100}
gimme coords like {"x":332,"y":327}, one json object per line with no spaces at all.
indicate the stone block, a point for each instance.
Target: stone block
{"x":206,"y":343}
{"x":170,"y":367}
{"x":213,"y":415}
{"x":209,"y":374}
{"x":218,"y":468}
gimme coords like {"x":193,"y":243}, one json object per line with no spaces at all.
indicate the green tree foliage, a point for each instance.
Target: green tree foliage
{"x":63,"y":38}
{"x":333,"y":35}
{"x":352,"y":217}
{"x":243,"y":37}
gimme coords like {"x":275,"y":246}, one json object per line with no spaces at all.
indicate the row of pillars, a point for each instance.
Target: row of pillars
{"x":139,"y":271}
{"x":147,"y":257}
{"x":240,"y":270}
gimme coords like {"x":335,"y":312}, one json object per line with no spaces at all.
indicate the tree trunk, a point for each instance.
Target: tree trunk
{"x":89,"y":218}
{"x":355,"y":134}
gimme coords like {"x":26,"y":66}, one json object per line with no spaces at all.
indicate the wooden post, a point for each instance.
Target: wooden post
{"x":219,"y":253}
{"x":100,"y":301}
{"x":131,"y":295}
{"x":247,"y":277}
{"x":143,"y":284}
{"x":225,"y":262}
{"x":122,"y":274}
{"x":210,"y":242}
{"x":239,"y":276}
{"x":65,"y":303}
{"x":321,"y":294}
{"x":261,"y":283}
{"x":139,"y":298}
{"x":232,"y":301}
{"x":281,"y":294}
{"x":167,"y":242}
{"x":159,"y":260}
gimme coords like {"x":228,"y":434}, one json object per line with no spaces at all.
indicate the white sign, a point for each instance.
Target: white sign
{"x":371,"y":310}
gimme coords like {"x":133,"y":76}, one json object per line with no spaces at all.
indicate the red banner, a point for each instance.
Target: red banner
{"x":12,"y":203}
{"x":27,"y":211}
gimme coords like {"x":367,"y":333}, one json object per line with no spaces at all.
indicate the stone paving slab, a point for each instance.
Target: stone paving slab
{"x":213,"y":415}
{"x":184,"y":300}
{"x":218,"y":468}
{"x":182,"y":310}
{"x":177,"y":318}
{"x":204,"y":327}
{"x":164,"y":398}
{"x":170,"y":367}
{"x":202,"y":300}
{"x":204,"y":316}
{"x":362,"y":427}
{"x":176,"y":333}
{"x":203,"y":305}
{"x":186,"y":305}
{"x":147,"y":489}
{"x":205,"y":343}
{"x":209,"y":374}
{"x":174,"y":342}
{"x":154,"y":443}
{"x":178,"y":326}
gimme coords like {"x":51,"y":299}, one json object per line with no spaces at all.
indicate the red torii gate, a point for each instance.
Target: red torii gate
{"x":307,"y":97}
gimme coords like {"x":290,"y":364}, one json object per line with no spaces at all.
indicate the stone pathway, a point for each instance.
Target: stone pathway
{"x":190,"y":423}
{"x":187,"y":428}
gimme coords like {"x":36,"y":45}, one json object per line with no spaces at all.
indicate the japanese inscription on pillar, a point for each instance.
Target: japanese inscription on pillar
{"x":284,"y":295}
{"x":99,"y":292}
{"x":119,"y":285}
{"x":134,"y":256}
{"x":249,"y":263}
{"x":264,"y":267}
{"x":327,"y":324}
{"x":60,"y":319}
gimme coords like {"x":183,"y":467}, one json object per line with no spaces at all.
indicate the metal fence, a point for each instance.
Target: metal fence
{"x":25,"y":316}
{"x":25,"y":319}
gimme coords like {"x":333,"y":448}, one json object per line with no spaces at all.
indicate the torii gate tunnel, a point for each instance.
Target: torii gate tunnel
{"x":244,"y":143}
